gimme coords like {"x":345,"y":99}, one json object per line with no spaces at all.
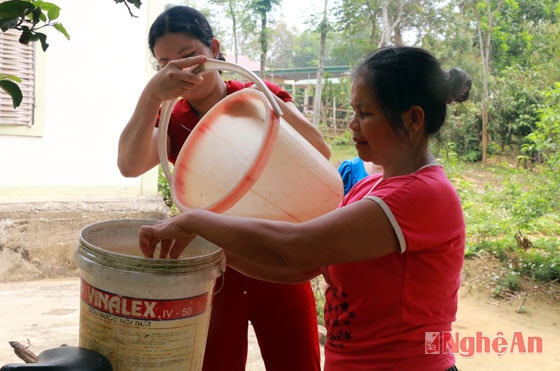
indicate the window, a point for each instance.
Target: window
{"x":18,"y":60}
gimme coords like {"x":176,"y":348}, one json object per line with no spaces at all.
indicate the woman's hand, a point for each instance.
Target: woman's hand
{"x":173,"y":238}
{"x":175,"y":79}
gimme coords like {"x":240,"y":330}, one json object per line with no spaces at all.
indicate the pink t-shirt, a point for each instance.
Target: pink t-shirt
{"x":379,"y":312}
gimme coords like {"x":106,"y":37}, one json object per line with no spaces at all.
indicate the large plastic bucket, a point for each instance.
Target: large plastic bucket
{"x":242,"y":158}
{"x":144,"y":314}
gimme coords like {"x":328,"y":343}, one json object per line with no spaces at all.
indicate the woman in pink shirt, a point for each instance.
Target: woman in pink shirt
{"x":393,"y":251}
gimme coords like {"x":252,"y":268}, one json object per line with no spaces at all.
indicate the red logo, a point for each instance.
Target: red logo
{"x":145,"y":309}
{"x":432,"y":342}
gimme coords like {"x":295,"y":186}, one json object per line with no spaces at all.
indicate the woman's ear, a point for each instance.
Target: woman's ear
{"x":215,"y":47}
{"x":414,"y":121}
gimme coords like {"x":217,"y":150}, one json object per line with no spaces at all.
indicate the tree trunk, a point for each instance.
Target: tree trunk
{"x":319,"y":84}
{"x":484,"y":107}
{"x":485,"y":42}
{"x":234,"y":29}
{"x":389,"y":28}
{"x":386,"y":26}
{"x":264,"y":43}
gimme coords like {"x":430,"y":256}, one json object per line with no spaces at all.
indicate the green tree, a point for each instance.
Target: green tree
{"x":306,"y":49}
{"x":509,"y":33}
{"x":517,"y":26}
{"x":234,"y":10}
{"x":283,"y":47}
{"x":486,"y":12}
{"x":515,"y":107}
{"x":261,"y":9}
{"x":371,"y":23}
{"x":543,"y":143}
{"x":323,"y":30}
{"x":357,"y":21}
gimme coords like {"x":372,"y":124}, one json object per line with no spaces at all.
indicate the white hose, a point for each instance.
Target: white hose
{"x":217,"y":65}
{"x":165,"y":115}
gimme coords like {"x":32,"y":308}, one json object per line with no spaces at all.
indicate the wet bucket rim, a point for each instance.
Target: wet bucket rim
{"x":182,"y":265}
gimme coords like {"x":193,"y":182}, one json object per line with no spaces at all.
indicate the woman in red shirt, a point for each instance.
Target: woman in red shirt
{"x":283,"y":316}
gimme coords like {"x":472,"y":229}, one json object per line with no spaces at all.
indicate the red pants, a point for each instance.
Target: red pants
{"x":284,"y":319}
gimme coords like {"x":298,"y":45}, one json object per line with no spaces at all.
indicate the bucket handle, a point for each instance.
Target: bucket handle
{"x":216,"y":292}
{"x":167,"y":106}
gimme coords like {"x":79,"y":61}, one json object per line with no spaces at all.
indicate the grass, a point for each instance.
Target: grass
{"x":342,"y":148}
{"x":513,"y":215}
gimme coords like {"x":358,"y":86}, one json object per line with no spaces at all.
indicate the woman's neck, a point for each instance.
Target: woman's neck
{"x":216,"y":94}
{"x":410,"y":164}
{"x":372,"y":168}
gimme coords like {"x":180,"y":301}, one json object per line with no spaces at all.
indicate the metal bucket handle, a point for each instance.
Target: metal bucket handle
{"x":167,"y":106}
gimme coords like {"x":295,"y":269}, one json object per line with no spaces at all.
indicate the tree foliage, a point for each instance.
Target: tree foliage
{"x":260,"y":9}
{"x":544,"y":140}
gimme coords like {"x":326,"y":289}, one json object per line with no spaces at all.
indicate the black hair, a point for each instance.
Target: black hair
{"x":402,"y":77}
{"x":183,"y":20}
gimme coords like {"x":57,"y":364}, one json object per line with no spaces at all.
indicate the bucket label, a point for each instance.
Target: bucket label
{"x":147,"y":309}
{"x":145,"y":334}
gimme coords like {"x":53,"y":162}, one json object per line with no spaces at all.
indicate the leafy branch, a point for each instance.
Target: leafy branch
{"x":12,"y":88}
{"x":136,"y":3}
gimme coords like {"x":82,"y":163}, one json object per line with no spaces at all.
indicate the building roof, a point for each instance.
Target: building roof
{"x":244,"y":62}
{"x":307,"y":73}
{"x":289,"y":75}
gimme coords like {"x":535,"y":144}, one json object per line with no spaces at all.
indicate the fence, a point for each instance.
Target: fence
{"x":335,"y":119}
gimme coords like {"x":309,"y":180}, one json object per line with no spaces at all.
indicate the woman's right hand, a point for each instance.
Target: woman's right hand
{"x":175,"y":79}
{"x":170,"y":234}
{"x":138,"y":143}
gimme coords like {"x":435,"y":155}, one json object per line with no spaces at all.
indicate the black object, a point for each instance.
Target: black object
{"x":65,"y":358}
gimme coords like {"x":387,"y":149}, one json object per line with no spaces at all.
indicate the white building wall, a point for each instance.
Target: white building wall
{"x":87,"y":88}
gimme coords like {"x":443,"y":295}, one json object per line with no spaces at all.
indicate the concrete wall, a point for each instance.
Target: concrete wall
{"x":37,"y":239}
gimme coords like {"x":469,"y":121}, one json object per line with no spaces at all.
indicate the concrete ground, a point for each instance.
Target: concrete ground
{"x":46,"y":313}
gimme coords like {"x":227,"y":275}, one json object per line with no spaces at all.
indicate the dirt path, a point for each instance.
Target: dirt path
{"x":506,"y":327}
{"x":46,"y":312}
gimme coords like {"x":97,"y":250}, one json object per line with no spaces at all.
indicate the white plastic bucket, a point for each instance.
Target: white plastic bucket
{"x":243,"y":159}
{"x":144,"y":314}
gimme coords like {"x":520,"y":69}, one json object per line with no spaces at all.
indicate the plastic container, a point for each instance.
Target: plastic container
{"x":243,"y":159}
{"x":140,"y":313}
